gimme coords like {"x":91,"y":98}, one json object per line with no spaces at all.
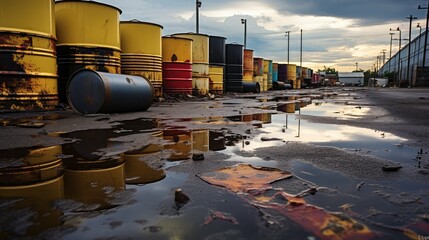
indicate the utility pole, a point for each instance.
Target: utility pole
{"x":300,"y":55}
{"x":198,"y":5}
{"x":384,"y":55}
{"x":426,"y":33}
{"x":356,"y":67}
{"x":399,"y":56}
{"x":409,"y":49}
{"x":288,"y":37}
{"x":390,"y":57}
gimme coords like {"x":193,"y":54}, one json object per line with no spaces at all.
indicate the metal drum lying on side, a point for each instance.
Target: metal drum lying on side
{"x":142,"y":51}
{"x":28,"y":69}
{"x":177,"y":65}
{"x":89,"y":91}
{"x":88,"y":37}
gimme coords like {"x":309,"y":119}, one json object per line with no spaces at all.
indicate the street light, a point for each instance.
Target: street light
{"x":244,"y":21}
{"x":300,"y":54}
{"x":356,"y":67}
{"x":198,"y":5}
{"x":399,"y":54}
{"x":426,"y":33}
{"x":409,"y":49}
{"x":288,"y":37}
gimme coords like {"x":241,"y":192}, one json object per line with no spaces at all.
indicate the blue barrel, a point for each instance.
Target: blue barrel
{"x":91,"y":92}
{"x":234,"y":68}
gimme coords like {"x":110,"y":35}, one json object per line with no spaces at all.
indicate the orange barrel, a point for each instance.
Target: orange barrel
{"x":200,"y":62}
{"x":89,"y":91}
{"x":234,"y":68}
{"x":177,"y":65}
{"x":248,"y":65}
{"x":88,"y":37}
{"x":217,"y":64}
{"x":28,"y":69}
{"x":258,"y":72}
{"x":275,"y":72}
{"x":142,"y":51}
{"x":304,"y":72}
{"x":86,"y":181}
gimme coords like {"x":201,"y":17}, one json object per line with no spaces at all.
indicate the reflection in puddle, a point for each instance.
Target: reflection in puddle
{"x":131,"y":189}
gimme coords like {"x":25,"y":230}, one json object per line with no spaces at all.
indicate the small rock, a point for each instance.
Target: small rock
{"x":198,"y":156}
{"x":283,"y":130}
{"x":43,"y":132}
{"x":265,"y":139}
{"x":180,"y":197}
{"x":247,"y":142}
{"x":248,"y":131}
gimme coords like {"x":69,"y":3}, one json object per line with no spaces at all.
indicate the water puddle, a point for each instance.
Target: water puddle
{"x":119,"y":182}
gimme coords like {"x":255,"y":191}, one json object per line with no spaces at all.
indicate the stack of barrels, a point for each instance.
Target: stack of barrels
{"x":200,"y":64}
{"x":28,"y":69}
{"x":217,"y":64}
{"x":177,"y":65}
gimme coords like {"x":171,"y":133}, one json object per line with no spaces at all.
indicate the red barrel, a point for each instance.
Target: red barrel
{"x":177,"y":77}
{"x":177,"y":65}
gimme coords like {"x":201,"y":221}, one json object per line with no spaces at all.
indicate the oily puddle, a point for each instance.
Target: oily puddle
{"x":102,"y":186}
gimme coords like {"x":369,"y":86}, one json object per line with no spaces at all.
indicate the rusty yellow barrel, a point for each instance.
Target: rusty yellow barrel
{"x":291,"y":74}
{"x":88,"y":37}
{"x":248,"y":65}
{"x":258,"y":72}
{"x":200,"y":64}
{"x":141,"y":47}
{"x":217,"y":52}
{"x":304,"y":72}
{"x":28,"y":72}
{"x":177,"y":65}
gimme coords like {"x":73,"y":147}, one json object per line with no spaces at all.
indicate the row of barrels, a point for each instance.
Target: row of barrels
{"x":44,"y":44}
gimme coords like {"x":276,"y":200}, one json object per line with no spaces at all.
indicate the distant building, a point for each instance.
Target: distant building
{"x":351,"y":78}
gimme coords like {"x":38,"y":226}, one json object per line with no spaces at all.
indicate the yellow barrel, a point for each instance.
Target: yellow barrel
{"x":291,"y":72}
{"x":177,"y":50}
{"x":88,"y":37}
{"x":261,"y":81}
{"x":137,"y":171}
{"x":200,"y":62}
{"x":266,"y":83}
{"x":28,"y":69}
{"x":248,"y":65}
{"x":216,"y":79}
{"x":180,"y":143}
{"x":141,"y":46}
{"x":200,"y":140}
{"x":86,"y":181}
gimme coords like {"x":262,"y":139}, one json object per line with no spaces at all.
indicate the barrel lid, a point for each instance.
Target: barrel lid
{"x":171,"y":36}
{"x":249,"y":50}
{"x":88,"y":1}
{"x":191,"y":33}
{"x":235,"y":44}
{"x":213,"y":36}
{"x":85,"y":91}
{"x":136,"y":21}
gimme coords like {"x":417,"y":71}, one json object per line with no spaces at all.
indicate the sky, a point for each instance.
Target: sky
{"x":335,"y":33}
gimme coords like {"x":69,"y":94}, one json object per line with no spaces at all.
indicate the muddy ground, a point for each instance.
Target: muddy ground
{"x":385,"y":190}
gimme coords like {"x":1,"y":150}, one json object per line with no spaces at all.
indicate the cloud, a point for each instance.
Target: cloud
{"x":335,"y":32}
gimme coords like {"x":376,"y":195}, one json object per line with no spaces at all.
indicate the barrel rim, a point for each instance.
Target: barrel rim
{"x":258,"y":58}
{"x":136,"y":21}
{"x":174,"y":37}
{"x":30,"y":32}
{"x":250,"y":50}
{"x":88,"y":1}
{"x":191,"y":33}
{"x":215,"y":36}
{"x":234,"y":44}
